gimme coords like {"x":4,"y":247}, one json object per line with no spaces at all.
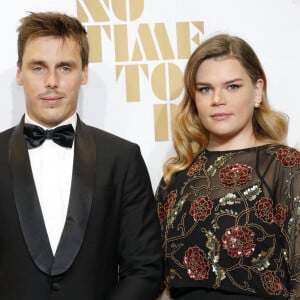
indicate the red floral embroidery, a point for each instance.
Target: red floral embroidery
{"x":288,"y":157}
{"x":196,"y":263}
{"x":197,"y":166}
{"x":238,"y":240}
{"x":271,"y":283}
{"x":171,"y":198}
{"x":162,"y":210}
{"x":235,"y":175}
{"x":264,"y":210}
{"x":201,"y":208}
{"x":280,"y":214}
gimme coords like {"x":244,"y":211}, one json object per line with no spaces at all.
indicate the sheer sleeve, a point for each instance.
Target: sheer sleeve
{"x":288,"y":210}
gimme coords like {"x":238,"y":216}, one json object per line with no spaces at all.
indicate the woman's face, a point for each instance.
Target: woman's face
{"x":225,"y":98}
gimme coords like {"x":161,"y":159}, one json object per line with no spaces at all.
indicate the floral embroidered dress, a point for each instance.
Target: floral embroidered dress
{"x":230,"y":223}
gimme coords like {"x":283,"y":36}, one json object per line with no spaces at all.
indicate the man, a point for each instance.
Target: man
{"x":78,"y":221}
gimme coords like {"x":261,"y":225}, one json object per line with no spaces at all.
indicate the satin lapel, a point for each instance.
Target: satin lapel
{"x":27,"y":203}
{"x":80,"y":200}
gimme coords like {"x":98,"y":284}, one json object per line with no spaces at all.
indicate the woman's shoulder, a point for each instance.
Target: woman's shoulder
{"x":286,"y":155}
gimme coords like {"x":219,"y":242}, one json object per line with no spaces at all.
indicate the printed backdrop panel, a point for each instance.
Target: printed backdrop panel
{"x":138,"y":53}
{"x":139,"y":49}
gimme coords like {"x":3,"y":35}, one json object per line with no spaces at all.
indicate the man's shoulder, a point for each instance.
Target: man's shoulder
{"x":5,"y":136}
{"x":104,"y":136}
{"x":6,"y":132}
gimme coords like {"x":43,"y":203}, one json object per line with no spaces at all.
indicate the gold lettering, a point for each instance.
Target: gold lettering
{"x":175,"y":81}
{"x":96,"y":10}
{"x":164,"y":41}
{"x":167,"y":81}
{"x":134,"y":11}
{"x":94,"y":36}
{"x":184,"y":37}
{"x":137,"y":54}
{"x":147,"y":42}
{"x":161,"y":122}
{"x":81,"y":15}
{"x":132,"y":81}
{"x":119,"y":8}
{"x":150,"y":44}
{"x":121,"y":43}
{"x":200,"y":28}
{"x":158,"y":81}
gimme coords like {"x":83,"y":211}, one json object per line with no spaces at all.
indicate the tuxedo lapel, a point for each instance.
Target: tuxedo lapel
{"x":27,"y":203}
{"x":80,"y":200}
{"x":28,"y":206}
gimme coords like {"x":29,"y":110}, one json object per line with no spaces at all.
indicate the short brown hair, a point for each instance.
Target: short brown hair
{"x":52,"y":24}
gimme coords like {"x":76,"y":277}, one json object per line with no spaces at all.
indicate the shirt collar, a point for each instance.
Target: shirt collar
{"x":72,"y":120}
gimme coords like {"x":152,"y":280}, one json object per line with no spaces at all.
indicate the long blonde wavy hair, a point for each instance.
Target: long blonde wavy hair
{"x":189,"y":135}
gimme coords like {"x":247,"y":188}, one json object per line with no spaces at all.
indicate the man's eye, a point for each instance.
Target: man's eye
{"x":233,"y":87}
{"x":65,"y":68}
{"x":37,"y":68}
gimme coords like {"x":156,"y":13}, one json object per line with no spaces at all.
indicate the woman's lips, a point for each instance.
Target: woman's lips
{"x":220,"y":116}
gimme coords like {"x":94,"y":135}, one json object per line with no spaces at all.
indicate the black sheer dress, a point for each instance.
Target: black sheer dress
{"x":230,"y":225}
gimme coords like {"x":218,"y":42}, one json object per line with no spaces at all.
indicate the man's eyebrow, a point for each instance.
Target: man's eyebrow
{"x":36,"y":62}
{"x":43,"y":62}
{"x":67,"y":63}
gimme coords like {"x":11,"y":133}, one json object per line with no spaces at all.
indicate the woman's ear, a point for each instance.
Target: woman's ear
{"x":259,"y":92}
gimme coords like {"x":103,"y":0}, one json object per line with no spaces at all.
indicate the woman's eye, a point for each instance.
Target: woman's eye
{"x":204,"y":90}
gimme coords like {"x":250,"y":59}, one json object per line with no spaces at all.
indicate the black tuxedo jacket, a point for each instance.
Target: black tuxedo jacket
{"x":110,"y":244}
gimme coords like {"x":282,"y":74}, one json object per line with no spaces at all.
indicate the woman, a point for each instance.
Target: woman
{"x":229,"y":201}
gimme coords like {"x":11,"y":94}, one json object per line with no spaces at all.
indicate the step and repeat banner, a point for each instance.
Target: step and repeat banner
{"x":139,"y":49}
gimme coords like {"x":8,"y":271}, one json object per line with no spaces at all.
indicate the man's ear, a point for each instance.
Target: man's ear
{"x":85,"y":74}
{"x":19,"y":76}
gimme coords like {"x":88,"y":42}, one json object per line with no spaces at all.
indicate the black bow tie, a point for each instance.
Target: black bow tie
{"x":36,"y":135}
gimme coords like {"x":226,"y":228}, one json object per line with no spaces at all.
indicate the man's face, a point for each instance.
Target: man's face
{"x":51,"y":74}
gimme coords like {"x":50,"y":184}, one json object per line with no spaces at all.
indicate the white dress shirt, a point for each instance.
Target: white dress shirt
{"x":52,"y":167}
